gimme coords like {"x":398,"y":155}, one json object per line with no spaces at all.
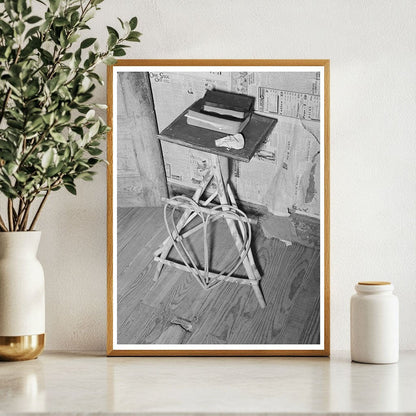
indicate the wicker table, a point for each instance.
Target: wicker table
{"x":217,"y":172}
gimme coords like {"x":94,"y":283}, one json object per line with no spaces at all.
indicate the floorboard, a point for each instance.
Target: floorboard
{"x":176,"y":309}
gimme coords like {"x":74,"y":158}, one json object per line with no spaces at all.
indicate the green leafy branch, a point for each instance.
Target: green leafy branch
{"x":50,"y":134}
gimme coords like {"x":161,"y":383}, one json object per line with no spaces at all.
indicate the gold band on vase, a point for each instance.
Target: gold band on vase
{"x":23,"y":347}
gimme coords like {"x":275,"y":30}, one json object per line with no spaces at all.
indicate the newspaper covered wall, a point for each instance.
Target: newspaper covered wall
{"x":285,"y":172}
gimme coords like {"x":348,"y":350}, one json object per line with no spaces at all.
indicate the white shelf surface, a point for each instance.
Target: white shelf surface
{"x":83,"y":383}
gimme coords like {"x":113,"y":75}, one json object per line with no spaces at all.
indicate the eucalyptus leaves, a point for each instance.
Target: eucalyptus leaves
{"x":50,"y":134}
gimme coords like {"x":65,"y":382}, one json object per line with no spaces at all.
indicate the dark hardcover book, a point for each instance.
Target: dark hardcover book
{"x":224,"y":112}
{"x":228,"y":103}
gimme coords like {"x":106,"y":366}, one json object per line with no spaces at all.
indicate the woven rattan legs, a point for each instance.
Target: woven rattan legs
{"x":236,"y":220}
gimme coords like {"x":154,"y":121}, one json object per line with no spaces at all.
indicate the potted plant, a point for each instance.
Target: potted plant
{"x":50,"y":137}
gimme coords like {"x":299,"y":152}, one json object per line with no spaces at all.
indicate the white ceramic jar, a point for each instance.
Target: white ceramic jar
{"x":374,"y":323}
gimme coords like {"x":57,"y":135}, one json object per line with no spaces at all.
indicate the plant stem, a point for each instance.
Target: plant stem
{"x":3,"y":108}
{"x":2,"y":224}
{"x":26,"y":216}
{"x":17,"y":216}
{"x":39,"y":209}
{"x":20,"y":213}
{"x":14,"y":217}
{"x":10,"y":213}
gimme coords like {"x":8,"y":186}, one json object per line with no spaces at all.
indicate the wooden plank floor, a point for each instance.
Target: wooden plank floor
{"x":176,"y":309}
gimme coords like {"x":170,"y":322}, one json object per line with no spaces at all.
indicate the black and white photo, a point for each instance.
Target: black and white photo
{"x":218,"y":220}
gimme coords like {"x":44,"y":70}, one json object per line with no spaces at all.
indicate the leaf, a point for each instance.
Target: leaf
{"x":94,"y":129}
{"x":119,"y":52}
{"x":90,"y":114}
{"x":46,"y":56}
{"x":6,"y":146}
{"x":73,"y":38}
{"x":10,"y":8}
{"x":63,"y":118}
{"x":61,"y":21}
{"x":86,"y":176}
{"x":11,"y":168}
{"x":63,"y":41}
{"x":90,"y":14}
{"x":77,"y":130}
{"x":74,"y":18}
{"x":123,"y":46}
{"x":94,"y":151}
{"x":54,"y":4}
{"x":82,"y":166}
{"x":66,"y":57}
{"x":33,"y":19}
{"x":111,"y":30}
{"x":32,"y":31}
{"x":34,"y":125}
{"x":58,"y":137}
{"x":16,"y":124}
{"x":52,"y":171}
{"x":96,"y":77}
{"x":47,"y":158}
{"x":6,"y":29}
{"x":26,"y":11}
{"x":67,"y":153}
{"x":7,"y":52}
{"x":110,"y":60}
{"x":92,"y":161}
{"x":48,"y":118}
{"x":53,"y":83}
{"x":112,"y":40}
{"x":21,"y":177}
{"x":8,"y":190}
{"x":20,"y":28}
{"x":133,"y":23}
{"x":82,"y":98}
{"x":134,"y":34}
{"x":21,"y":5}
{"x":70,"y":188}
{"x":33,"y":44}
{"x":31,"y":90}
{"x":133,"y":37}
{"x":121,"y":22}
{"x":87,"y":42}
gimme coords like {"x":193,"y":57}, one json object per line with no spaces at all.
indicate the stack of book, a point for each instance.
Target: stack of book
{"x":222,"y":111}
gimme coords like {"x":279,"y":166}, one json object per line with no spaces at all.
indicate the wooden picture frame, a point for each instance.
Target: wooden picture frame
{"x":279,"y":103}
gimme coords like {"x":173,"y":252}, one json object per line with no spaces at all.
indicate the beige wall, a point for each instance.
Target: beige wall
{"x":373,"y":146}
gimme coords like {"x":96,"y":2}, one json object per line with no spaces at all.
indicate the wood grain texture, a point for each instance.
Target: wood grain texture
{"x":228,"y":313}
{"x":141,"y":177}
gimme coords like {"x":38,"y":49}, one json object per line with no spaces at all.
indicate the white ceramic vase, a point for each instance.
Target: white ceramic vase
{"x":22,"y":296}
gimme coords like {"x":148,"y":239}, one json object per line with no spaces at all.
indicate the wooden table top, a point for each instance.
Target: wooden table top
{"x":255,"y":133}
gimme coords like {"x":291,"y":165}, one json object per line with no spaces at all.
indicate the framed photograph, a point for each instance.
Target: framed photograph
{"x":218,"y":207}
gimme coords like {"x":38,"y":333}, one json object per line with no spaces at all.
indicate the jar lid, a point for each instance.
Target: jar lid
{"x":374,"y":287}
